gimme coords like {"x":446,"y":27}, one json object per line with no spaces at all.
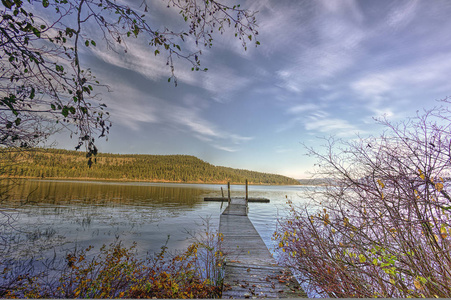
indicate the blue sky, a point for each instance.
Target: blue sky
{"x":324,"y":67}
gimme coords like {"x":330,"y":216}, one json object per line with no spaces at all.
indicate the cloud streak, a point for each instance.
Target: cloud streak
{"x":189,"y":119}
{"x":378,"y":89}
{"x":331,"y":45}
{"x":140,"y":60}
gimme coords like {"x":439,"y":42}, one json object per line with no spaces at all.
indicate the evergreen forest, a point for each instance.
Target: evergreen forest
{"x":67,"y":164}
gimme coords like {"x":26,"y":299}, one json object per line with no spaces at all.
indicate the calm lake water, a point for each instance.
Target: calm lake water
{"x":56,"y":216}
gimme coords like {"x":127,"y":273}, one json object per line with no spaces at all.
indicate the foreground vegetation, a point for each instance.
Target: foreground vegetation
{"x":381,"y":227}
{"x":117,"y":272}
{"x":55,"y":163}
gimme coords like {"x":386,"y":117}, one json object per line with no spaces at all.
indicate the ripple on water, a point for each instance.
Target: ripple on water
{"x":96,"y":213}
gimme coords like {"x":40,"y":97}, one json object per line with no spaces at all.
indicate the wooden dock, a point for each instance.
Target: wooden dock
{"x":250,"y":270}
{"x":250,"y":199}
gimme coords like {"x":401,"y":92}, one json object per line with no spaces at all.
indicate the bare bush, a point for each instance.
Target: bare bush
{"x":381,"y":225}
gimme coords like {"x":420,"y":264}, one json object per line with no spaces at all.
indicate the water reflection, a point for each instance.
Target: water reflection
{"x":53,"y":216}
{"x":42,"y":193}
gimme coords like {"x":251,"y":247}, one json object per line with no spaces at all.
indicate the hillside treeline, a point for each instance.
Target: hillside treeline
{"x":64,"y":164}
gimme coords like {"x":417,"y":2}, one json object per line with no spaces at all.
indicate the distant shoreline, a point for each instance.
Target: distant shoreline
{"x":69,"y":164}
{"x":137,"y":180}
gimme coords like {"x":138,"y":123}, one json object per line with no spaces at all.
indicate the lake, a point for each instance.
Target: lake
{"x":55,"y":216}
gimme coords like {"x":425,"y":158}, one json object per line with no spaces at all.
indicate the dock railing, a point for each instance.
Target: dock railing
{"x":246,"y":199}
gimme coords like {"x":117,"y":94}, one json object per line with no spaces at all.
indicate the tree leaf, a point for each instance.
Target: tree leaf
{"x":417,"y":284}
{"x":36,"y":32}
{"x":65,"y":111}
{"x":439,"y":186}
{"x":362,"y":258}
{"x":421,"y":174}
{"x":32,"y":94}
{"x":8,"y":3}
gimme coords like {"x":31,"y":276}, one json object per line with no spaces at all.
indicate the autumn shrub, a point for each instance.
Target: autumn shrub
{"x":117,"y":272}
{"x":380,"y":225}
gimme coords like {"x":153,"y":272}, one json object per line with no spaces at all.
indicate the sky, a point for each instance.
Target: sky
{"x":324,"y":67}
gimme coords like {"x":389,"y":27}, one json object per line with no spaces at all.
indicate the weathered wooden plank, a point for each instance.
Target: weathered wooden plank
{"x":249,"y":247}
{"x":237,"y":210}
{"x":268,"y":267}
{"x":270,"y":282}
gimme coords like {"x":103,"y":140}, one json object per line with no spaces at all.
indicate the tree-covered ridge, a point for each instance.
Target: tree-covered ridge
{"x":56,"y":163}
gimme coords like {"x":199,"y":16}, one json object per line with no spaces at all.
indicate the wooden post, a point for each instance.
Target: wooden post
{"x":247,"y":195}
{"x":222,"y":202}
{"x":228,"y":192}
{"x":247,"y":198}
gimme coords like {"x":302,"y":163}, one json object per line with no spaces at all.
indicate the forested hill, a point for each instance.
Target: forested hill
{"x":56,"y":163}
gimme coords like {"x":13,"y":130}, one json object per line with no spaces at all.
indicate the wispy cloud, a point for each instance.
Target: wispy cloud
{"x":321,"y":122}
{"x":142,"y":60}
{"x":137,"y":110}
{"x":222,"y":82}
{"x":225,"y":148}
{"x":189,"y":119}
{"x":331,"y":44}
{"x":127,"y":106}
{"x":345,"y":56}
{"x":403,"y":14}
{"x":423,"y":78}
{"x":300,"y":108}
{"x":277,"y":22}
{"x":330,"y":125}
{"x":297,"y":113}
{"x":133,"y":116}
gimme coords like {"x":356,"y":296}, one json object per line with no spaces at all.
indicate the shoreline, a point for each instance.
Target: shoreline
{"x":137,"y":180}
